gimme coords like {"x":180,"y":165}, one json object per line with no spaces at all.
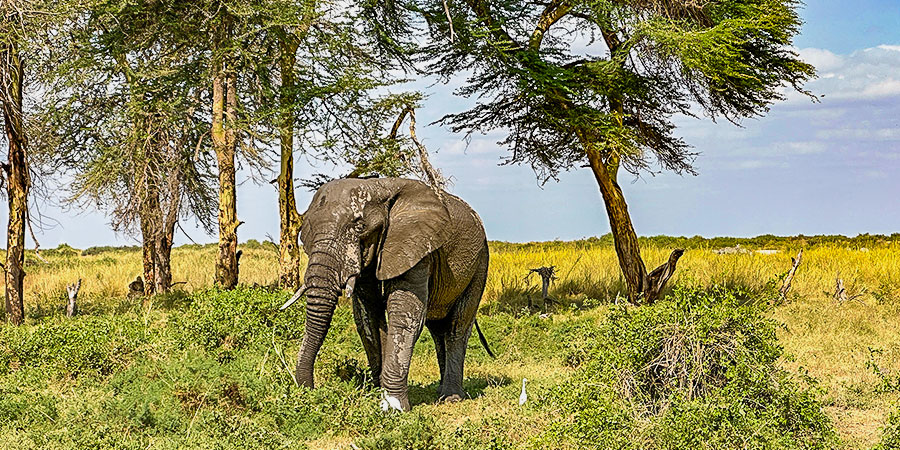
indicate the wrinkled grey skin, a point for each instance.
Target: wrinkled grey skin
{"x":414,"y":259}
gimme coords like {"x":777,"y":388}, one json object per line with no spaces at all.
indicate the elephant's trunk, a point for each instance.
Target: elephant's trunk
{"x":320,"y":306}
{"x":321,"y":298}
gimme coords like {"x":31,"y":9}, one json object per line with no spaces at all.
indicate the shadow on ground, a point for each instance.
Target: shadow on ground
{"x":474,"y":386}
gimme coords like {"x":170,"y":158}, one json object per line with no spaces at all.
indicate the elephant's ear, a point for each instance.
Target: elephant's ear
{"x":418,"y":223}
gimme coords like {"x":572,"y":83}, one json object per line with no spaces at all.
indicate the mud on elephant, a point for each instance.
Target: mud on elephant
{"x":408,"y":258}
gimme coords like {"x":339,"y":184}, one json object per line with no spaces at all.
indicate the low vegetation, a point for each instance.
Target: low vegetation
{"x":717,"y":363}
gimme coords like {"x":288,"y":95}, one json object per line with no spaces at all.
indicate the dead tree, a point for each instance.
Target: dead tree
{"x":786,"y":284}
{"x":841,"y":294}
{"x":547,"y":274}
{"x":72,"y":290}
{"x":655,"y":281}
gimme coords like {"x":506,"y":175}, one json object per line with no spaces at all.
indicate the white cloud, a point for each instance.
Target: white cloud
{"x":806,"y":147}
{"x":868,"y":74}
{"x":885,"y":88}
{"x":824,"y":60}
{"x":862,"y":133}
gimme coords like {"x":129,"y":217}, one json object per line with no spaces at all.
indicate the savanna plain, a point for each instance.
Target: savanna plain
{"x":722,"y":362}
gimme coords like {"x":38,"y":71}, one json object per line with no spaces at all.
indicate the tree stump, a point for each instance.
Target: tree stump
{"x":136,"y":287}
{"x":840,"y":294}
{"x":547,"y":274}
{"x":655,"y":281}
{"x":72,"y":290}
{"x":786,"y":284}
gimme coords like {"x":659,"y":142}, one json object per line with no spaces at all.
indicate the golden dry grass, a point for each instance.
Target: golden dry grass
{"x":833,"y":342}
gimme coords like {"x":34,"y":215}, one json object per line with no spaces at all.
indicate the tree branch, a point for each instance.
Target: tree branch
{"x":552,"y":13}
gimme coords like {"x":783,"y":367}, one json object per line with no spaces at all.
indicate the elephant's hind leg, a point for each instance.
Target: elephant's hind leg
{"x":456,"y":338}
{"x":438,"y":329}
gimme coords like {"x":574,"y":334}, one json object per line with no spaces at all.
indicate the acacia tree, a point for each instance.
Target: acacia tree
{"x":22,"y":26}
{"x":15,"y":172}
{"x":316,"y":73}
{"x":223,"y":69}
{"x":123,"y":115}
{"x":597,"y":83}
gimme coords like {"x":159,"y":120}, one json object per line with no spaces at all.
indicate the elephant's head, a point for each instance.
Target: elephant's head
{"x":381,"y":226}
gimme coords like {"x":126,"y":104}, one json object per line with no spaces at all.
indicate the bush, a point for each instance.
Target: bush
{"x":230,"y":320}
{"x":63,"y":250}
{"x":698,"y":369}
{"x":890,"y":440}
{"x":85,"y":345}
{"x":96,"y":250}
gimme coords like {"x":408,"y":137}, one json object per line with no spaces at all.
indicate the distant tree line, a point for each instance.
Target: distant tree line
{"x":147,"y":109}
{"x":766,"y":241}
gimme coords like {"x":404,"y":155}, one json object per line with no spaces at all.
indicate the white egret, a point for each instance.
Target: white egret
{"x":523,"y":397}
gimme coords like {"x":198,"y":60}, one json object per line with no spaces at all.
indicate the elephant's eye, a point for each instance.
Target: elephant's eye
{"x":358,"y":223}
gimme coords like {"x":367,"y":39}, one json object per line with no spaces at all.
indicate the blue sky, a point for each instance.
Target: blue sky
{"x":810,"y":168}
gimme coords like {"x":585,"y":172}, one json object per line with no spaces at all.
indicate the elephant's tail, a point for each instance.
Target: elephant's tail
{"x":483,"y":340}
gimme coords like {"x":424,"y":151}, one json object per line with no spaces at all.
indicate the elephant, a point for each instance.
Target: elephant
{"x":408,"y":255}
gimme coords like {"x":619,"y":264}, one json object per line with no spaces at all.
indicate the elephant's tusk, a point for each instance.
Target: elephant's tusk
{"x":294,"y":298}
{"x":351,"y":285}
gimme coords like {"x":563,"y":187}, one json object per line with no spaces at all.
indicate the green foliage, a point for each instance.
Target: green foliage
{"x":645,"y":62}
{"x":418,"y":432}
{"x":83,"y":346}
{"x":890,"y":439}
{"x":253,"y":244}
{"x":224,"y":321}
{"x":766,"y":241}
{"x":62,"y":250}
{"x":214,"y":370}
{"x":96,"y":250}
{"x":888,"y":381}
{"x":698,"y":369}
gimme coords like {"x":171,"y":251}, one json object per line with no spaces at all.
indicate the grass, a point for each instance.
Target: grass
{"x":199,"y":366}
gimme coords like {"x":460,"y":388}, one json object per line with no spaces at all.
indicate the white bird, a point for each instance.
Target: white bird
{"x":523,"y":397}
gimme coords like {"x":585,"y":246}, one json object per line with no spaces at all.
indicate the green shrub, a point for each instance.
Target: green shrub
{"x":413,"y":431}
{"x":890,"y":440}
{"x":64,"y":250}
{"x":96,"y":250}
{"x":230,"y":320}
{"x":84,"y":345}
{"x":698,"y":369}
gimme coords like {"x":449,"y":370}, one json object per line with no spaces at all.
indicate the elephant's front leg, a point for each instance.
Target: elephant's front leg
{"x":368,"y":312}
{"x":407,"y":300}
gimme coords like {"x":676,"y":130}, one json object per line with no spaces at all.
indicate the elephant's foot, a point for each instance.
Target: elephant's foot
{"x":452,"y":398}
{"x":451,"y":395}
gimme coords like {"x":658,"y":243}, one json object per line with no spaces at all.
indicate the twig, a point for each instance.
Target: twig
{"x":449,"y":21}
{"x":280,"y":356}
{"x":37,"y":245}
{"x":434,"y":176}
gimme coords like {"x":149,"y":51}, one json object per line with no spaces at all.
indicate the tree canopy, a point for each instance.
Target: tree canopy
{"x":598,"y":83}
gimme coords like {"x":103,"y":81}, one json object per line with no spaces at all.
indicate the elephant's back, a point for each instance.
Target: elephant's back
{"x":458,"y":261}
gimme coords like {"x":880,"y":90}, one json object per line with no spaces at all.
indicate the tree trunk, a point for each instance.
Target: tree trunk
{"x":166,"y":234}
{"x":148,"y":256}
{"x":149,"y":209}
{"x":12,"y":73}
{"x":223,"y":135}
{"x":626,"y":241}
{"x":290,"y":220}
{"x":163,"y":269}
